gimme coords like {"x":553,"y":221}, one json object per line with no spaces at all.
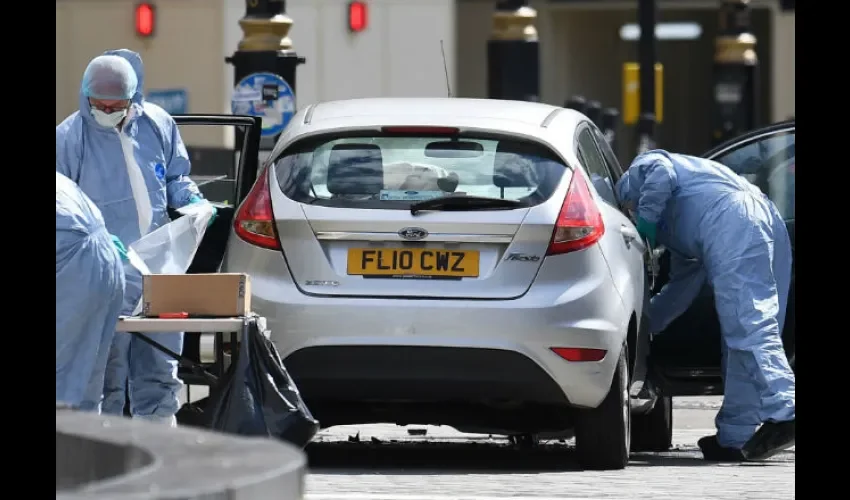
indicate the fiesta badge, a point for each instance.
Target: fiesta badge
{"x":413,"y":233}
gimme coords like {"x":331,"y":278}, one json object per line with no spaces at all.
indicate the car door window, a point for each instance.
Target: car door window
{"x":223,"y":175}
{"x":214,"y":170}
{"x":595,"y":167}
{"x":610,"y":158}
{"x":768,"y":162}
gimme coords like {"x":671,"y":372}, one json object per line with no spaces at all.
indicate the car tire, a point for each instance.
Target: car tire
{"x":603,"y":433}
{"x":653,"y":431}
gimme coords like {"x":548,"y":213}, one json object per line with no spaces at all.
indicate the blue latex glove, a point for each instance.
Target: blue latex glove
{"x":122,"y":250}
{"x":647,"y":230}
{"x":198,"y":199}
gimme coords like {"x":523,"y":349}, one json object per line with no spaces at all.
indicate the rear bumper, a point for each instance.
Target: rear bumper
{"x":364,"y":349}
{"x":394,"y":373}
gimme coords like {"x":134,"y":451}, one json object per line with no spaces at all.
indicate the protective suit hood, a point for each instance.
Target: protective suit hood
{"x":137,"y":108}
{"x":630,"y":184}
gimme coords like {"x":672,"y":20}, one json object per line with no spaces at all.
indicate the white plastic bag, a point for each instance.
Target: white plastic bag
{"x":170,"y":249}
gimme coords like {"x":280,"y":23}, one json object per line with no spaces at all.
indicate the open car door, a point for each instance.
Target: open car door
{"x":225,"y":187}
{"x":225,"y":184}
{"x":686,"y":356}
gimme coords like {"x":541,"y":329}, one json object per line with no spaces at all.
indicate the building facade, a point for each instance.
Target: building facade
{"x":398,"y":54}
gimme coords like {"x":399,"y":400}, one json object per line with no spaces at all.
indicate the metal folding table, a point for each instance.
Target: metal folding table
{"x":208,"y":374}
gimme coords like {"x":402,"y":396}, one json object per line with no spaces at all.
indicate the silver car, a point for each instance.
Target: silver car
{"x":453,"y":262}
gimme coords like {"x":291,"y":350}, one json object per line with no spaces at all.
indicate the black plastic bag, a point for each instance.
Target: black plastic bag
{"x":258,"y":397}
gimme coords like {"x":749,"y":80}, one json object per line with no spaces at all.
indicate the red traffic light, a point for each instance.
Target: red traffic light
{"x":145,"y":17}
{"x":357,"y":16}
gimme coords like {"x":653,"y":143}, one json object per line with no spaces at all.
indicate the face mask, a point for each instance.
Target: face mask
{"x":108,"y":120}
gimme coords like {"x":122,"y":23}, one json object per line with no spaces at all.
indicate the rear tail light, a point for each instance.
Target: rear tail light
{"x":254,"y":221}
{"x":579,"y":224}
{"x":577,"y":354}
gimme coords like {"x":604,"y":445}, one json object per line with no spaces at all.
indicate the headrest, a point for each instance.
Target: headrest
{"x":513,"y":168}
{"x":355,"y":169}
{"x":413,"y":176}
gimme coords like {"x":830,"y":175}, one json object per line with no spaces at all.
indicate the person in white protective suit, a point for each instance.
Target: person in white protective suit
{"x":724,"y":231}
{"x":127,"y":155}
{"x":89,"y":293}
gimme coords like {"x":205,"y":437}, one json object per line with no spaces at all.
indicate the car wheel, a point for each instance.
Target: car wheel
{"x":603,"y":433}
{"x":653,"y":431}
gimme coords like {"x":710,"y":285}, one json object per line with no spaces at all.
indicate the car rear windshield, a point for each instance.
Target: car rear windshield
{"x":392,"y":172}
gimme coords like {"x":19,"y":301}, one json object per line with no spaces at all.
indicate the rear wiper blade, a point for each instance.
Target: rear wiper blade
{"x":454,"y":202}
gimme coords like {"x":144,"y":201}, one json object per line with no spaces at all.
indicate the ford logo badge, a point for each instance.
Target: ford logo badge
{"x":413,"y":233}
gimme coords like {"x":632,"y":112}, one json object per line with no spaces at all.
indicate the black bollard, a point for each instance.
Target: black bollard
{"x":264,"y":66}
{"x":577,"y":103}
{"x":513,"y":53}
{"x":735,"y":73}
{"x":647,"y":56}
{"x":646,"y":133}
{"x":594,"y":112}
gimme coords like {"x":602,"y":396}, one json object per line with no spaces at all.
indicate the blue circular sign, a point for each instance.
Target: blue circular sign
{"x":266,"y":95}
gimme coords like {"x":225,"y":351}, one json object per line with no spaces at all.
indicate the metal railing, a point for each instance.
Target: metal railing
{"x":608,"y":121}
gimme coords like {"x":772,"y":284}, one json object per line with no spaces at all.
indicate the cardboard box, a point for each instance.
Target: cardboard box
{"x":221,"y":295}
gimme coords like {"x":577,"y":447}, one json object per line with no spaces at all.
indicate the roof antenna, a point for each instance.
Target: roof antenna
{"x":446,"y":69}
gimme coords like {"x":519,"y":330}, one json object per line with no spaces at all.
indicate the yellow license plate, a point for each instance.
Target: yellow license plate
{"x":412,"y":262}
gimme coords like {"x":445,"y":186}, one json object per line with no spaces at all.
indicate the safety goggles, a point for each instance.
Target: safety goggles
{"x":109,"y":105}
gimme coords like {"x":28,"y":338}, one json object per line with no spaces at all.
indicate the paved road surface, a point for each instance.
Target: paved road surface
{"x":389,"y":464}
{"x":447,"y":465}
